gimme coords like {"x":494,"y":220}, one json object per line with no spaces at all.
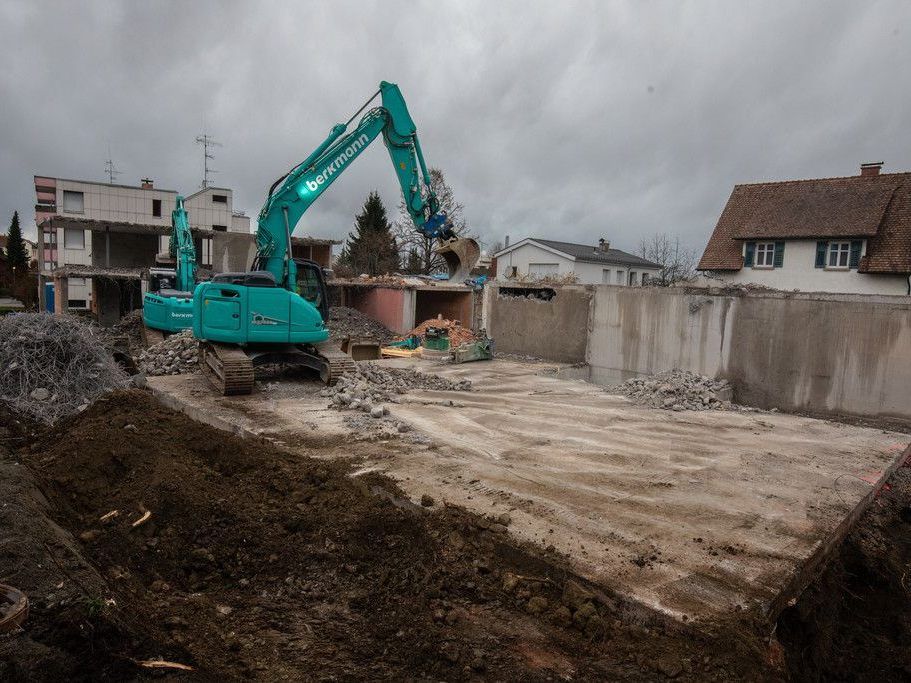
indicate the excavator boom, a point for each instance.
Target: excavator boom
{"x":277,"y":312}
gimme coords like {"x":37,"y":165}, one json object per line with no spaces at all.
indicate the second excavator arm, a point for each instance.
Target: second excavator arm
{"x":292,"y":194}
{"x":182,"y":249}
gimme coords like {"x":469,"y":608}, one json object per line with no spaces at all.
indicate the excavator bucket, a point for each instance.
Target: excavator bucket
{"x":461,"y":255}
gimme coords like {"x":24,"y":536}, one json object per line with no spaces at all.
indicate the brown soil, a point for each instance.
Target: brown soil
{"x":854,"y":623}
{"x":259,"y":563}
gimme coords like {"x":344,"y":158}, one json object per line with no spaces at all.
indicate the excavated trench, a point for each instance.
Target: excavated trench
{"x":141,"y":537}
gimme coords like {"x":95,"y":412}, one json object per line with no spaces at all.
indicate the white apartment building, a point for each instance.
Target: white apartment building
{"x":209,"y":209}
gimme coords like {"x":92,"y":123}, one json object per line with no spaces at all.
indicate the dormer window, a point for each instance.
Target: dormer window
{"x":765,"y":255}
{"x":839,"y":254}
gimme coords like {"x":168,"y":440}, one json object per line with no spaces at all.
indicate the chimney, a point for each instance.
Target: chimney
{"x":506,"y":241}
{"x":603,"y":245}
{"x":871,"y":168}
{"x":146,"y":183}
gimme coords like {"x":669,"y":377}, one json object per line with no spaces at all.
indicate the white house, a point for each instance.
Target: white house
{"x":534,"y":258}
{"x":849,"y":234}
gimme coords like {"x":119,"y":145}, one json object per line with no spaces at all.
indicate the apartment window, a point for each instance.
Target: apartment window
{"x":839,"y":253}
{"x":73,"y":202}
{"x":77,"y":281}
{"x":50,"y":237}
{"x":206,"y":252}
{"x":73,"y":238}
{"x":220,"y":198}
{"x":48,"y":265}
{"x":605,"y":276}
{"x":543,"y":269}
{"x":644,"y":278}
{"x":77,"y":303}
{"x":633,"y":278}
{"x":619,"y":277}
{"x":156,"y":208}
{"x":220,"y":228}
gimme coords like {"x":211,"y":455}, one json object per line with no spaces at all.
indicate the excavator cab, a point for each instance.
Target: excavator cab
{"x":311,"y":285}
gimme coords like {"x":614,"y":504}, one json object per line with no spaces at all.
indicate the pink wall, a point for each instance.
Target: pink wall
{"x":385,"y":305}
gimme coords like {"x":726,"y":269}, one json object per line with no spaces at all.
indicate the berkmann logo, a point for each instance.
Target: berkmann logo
{"x":336,"y":164}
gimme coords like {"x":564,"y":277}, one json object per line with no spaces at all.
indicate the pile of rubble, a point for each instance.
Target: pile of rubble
{"x":370,"y":385}
{"x":457,"y":333}
{"x":176,"y":355}
{"x":53,"y":366}
{"x":350,"y":322}
{"x":679,"y":390}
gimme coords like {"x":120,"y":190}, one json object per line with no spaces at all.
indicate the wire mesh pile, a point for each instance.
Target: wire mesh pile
{"x":53,"y":366}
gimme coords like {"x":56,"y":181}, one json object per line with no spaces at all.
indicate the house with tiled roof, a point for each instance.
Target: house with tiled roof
{"x":850,"y":234}
{"x":534,"y":258}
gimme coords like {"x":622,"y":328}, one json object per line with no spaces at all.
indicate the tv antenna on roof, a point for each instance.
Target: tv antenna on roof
{"x":110,"y":169}
{"x":207,"y":141}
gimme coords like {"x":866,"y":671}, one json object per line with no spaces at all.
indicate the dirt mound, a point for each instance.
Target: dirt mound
{"x":244,"y":561}
{"x":854,"y":622}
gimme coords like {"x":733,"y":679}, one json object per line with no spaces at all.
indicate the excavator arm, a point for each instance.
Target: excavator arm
{"x":182,"y":249}
{"x":292,"y":194}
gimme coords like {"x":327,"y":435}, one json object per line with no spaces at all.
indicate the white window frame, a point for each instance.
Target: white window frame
{"x":838,"y":251}
{"x":767,"y":250}
{"x":605,"y":276}
{"x":73,"y":195}
{"x":69,"y":238}
{"x":621,"y":278}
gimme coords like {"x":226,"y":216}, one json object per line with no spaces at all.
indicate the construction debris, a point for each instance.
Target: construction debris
{"x":457,"y":333}
{"x":370,"y":385}
{"x":350,"y":322}
{"x":680,"y":390}
{"x":53,"y":366}
{"x":178,"y":354}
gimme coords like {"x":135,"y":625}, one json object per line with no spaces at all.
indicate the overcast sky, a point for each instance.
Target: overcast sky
{"x":564,"y":120}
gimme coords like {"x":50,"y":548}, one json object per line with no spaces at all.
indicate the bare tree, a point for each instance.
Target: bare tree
{"x":677,"y":263}
{"x":411,"y":242}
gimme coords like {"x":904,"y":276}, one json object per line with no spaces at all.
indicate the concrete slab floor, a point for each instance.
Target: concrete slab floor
{"x":693,"y":515}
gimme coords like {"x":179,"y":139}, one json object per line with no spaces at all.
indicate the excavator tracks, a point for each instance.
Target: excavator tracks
{"x":228,"y":368}
{"x":336,"y":360}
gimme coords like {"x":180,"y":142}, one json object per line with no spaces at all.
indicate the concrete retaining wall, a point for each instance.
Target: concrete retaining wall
{"x":556,"y":329}
{"x":821,"y":353}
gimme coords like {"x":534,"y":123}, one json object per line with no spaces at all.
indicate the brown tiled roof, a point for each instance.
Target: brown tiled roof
{"x":875,"y":207}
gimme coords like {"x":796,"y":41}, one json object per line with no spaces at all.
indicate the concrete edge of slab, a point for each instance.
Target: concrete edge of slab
{"x":809,"y":570}
{"x":170,"y":401}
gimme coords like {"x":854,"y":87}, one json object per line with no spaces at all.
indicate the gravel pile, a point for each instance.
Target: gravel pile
{"x":178,"y":354}
{"x":53,"y":366}
{"x":370,"y":385}
{"x":344,"y":322}
{"x":679,"y":390}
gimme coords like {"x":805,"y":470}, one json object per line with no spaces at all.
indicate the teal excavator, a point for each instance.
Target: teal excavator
{"x":168,"y":305}
{"x":277,"y":312}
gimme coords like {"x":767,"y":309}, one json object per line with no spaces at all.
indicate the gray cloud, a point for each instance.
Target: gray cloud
{"x":565,"y":120}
